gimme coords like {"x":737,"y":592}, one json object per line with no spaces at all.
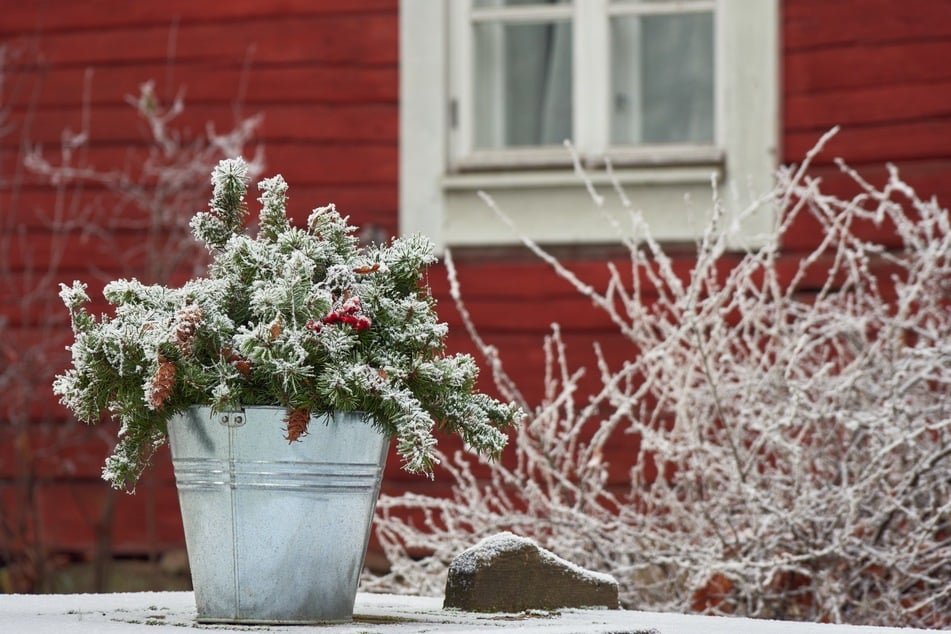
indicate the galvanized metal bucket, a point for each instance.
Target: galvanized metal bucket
{"x":276,"y":532}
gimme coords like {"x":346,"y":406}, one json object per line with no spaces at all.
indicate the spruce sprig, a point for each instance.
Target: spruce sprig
{"x":303,"y":318}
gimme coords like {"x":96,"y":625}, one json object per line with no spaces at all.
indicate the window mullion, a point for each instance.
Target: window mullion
{"x":591,"y":71}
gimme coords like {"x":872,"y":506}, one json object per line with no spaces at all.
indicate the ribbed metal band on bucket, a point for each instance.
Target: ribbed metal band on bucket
{"x":328,"y":477}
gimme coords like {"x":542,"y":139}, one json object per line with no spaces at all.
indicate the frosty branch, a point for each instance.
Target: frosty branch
{"x":792,"y":419}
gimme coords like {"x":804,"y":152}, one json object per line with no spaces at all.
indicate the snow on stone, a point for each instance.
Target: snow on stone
{"x":494,"y":545}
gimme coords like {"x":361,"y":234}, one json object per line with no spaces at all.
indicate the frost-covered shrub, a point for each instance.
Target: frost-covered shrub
{"x":793,"y":419}
{"x":302,"y":318}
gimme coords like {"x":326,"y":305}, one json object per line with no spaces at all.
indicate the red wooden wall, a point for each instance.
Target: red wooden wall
{"x":324,"y":75}
{"x":878,"y":69}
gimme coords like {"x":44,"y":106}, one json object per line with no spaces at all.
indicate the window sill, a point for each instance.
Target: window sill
{"x":565,"y":177}
{"x":552,"y":157}
{"x":553,"y":206}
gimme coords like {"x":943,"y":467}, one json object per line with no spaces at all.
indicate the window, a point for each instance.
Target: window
{"x":518,"y":64}
{"x":661,"y":84}
{"x":672,"y":91}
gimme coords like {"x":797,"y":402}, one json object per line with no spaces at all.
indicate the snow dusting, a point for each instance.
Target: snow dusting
{"x":153,"y":612}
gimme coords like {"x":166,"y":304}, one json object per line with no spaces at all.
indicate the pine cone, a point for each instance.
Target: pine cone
{"x":296,"y":424}
{"x":162,"y":383}
{"x":240,"y":363}
{"x":276,"y":328}
{"x":244,"y":367}
{"x":188,"y":319}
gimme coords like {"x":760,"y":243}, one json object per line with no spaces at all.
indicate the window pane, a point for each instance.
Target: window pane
{"x":662,"y":78}
{"x":522,"y":84}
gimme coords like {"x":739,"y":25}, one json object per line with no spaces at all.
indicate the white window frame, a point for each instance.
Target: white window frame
{"x":440,"y":173}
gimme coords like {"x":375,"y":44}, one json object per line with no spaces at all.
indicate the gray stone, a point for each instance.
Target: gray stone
{"x":508,"y":573}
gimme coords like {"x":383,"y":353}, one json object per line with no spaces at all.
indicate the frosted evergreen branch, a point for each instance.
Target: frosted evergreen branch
{"x":302,"y":319}
{"x":506,"y":386}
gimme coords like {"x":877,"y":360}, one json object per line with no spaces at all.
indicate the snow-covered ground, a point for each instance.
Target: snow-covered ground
{"x":374,"y":613}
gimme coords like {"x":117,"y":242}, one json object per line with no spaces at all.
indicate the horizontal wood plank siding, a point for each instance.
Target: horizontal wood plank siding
{"x":879,"y":70}
{"x":321,"y":75}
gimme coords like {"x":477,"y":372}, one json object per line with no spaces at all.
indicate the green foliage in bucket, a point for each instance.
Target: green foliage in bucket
{"x":302,"y":318}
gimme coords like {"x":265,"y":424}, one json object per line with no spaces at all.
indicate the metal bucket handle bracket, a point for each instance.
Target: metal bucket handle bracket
{"x":236,"y":418}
